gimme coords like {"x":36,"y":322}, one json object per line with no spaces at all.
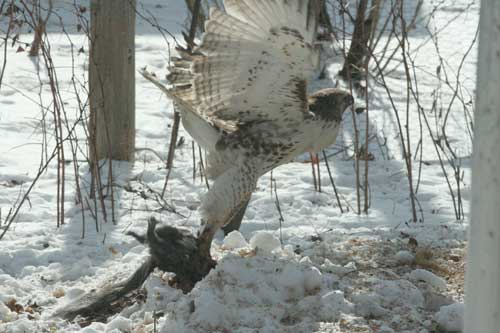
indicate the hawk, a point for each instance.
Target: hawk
{"x":242,"y":95}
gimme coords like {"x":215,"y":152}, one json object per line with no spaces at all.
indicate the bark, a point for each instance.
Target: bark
{"x":482,"y":292}
{"x":361,"y":38}
{"x":192,"y":6}
{"x":112,"y":80}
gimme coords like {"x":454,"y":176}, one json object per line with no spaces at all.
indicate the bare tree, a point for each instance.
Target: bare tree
{"x":196,"y":9}
{"x":364,"y":27}
{"x":112,"y":79}
{"x":483,"y":269}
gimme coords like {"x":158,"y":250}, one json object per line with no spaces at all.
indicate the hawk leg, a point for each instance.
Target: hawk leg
{"x":235,"y":222}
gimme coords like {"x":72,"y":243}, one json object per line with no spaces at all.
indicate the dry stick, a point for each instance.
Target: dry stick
{"x":74,"y":144}
{"x":381,"y":34}
{"x":421,"y":141}
{"x":398,"y":121}
{"x":373,"y":19}
{"x":367,"y":137}
{"x":203,"y":173}
{"x":356,"y":134}
{"x":58,"y":100}
{"x":408,"y":28}
{"x":450,"y":188}
{"x":194,"y":161}
{"x":278,"y":207}
{"x":318,"y":171}
{"x":457,"y":84}
{"x":57,"y":104}
{"x":177,"y":117}
{"x":39,"y":28}
{"x":454,"y":160}
{"x":57,"y":118}
{"x":41,"y":171}
{"x":333,"y":182}
{"x":271,"y":182}
{"x":438,"y":31}
{"x":9,"y":27}
{"x":313,"y":172}
{"x":96,"y":169}
{"x":408,"y":87}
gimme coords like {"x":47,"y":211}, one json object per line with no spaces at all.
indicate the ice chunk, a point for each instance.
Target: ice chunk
{"x":405,"y":257}
{"x":328,"y":266}
{"x":430,"y":278}
{"x":313,"y":279}
{"x":332,"y":304}
{"x":234,"y":240}
{"x":265,"y":242}
{"x":5,"y":313}
{"x":450,"y":317}
{"x":119,"y":323}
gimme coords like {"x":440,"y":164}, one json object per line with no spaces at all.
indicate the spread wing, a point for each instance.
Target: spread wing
{"x":252,"y":65}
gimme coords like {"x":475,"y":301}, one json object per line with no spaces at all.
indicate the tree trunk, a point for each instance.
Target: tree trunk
{"x":361,"y":37}
{"x":482,"y":297}
{"x":324,"y":19}
{"x":112,"y":80}
{"x":194,"y":7}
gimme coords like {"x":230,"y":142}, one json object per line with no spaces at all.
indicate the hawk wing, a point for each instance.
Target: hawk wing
{"x":252,"y":65}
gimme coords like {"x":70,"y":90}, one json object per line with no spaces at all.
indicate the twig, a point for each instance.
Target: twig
{"x":278,"y":207}
{"x":333,"y":182}
{"x":177,"y":117}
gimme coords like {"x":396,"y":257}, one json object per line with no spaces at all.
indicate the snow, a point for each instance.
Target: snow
{"x":318,"y":270}
{"x":338,"y":269}
{"x":332,"y":304}
{"x":119,"y":324}
{"x":450,"y":317}
{"x":405,"y":257}
{"x":264,"y":241}
{"x":430,"y":278}
{"x":234,"y":240}
{"x":5,"y":314}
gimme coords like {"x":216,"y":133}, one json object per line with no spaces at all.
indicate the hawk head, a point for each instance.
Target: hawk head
{"x":329,"y":104}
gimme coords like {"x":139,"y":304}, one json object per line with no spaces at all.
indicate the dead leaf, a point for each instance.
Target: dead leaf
{"x":58,"y":293}
{"x":14,"y":306}
{"x":114,"y":251}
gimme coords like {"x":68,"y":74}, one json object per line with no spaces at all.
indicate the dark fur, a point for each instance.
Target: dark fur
{"x":172,"y":250}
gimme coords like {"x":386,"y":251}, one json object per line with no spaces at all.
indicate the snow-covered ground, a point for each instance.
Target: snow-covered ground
{"x":336,"y":272}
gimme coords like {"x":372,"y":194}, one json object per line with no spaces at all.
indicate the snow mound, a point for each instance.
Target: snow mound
{"x":328,"y":266}
{"x":257,"y":294}
{"x":405,"y":257}
{"x":264,"y":242}
{"x":450,"y":317}
{"x":368,"y":305}
{"x":398,"y":292}
{"x":234,"y":240}
{"x":5,"y":313}
{"x":119,"y":324}
{"x":428,"y":277}
{"x":333,"y":303}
